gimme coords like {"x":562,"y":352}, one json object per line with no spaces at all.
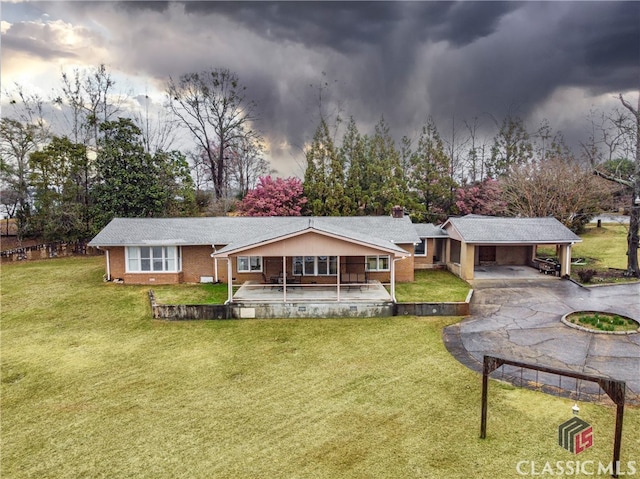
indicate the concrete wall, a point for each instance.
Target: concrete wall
{"x":432,"y":309}
{"x":514,"y":255}
{"x":311,"y":310}
{"x":176,"y":312}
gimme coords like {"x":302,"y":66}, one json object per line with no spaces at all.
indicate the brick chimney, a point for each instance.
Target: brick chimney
{"x":397,"y":212}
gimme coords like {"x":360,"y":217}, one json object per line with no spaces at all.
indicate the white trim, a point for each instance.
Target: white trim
{"x":177,"y":259}
{"x":249,"y":264}
{"x":315,"y":265}
{"x":378,"y":256}
{"x":421,"y":255}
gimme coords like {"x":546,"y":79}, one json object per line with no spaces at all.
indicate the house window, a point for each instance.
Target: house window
{"x":421,"y":248}
{"x":378,"y":263}
{"x":315,"y":265}
{"x":249,"y":264}
{"x":157,"y":259}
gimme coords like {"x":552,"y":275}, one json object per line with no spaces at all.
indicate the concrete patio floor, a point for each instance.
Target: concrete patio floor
{"x":510,"y":271}
{"x":252,"y":291}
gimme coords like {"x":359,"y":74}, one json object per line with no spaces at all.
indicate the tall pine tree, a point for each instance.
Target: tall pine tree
{"x":430,"y":180}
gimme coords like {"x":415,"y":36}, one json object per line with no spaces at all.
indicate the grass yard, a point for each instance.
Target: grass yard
{"x":191,"y":293}
{"x":606,"y":246}
{"x":94,"y":388}
{"x":602,"y":248}
{"x":432,"y":286}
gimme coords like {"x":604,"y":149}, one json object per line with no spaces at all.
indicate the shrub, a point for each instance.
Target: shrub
{"x":586,"y":275}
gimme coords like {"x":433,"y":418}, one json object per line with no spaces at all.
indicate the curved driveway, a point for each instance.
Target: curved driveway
{"x":520,"y":319}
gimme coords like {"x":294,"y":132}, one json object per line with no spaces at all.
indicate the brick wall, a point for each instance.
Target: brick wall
{"x":196,"y":262}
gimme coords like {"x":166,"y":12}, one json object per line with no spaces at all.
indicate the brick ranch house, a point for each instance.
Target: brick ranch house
{"x":319,"y":250}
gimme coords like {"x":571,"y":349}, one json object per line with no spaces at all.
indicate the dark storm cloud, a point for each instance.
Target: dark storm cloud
{"x":403,"y":60}
{"x":345,"y":25}
{"x":541,"y":48}
{"x":604,"y":37}
{"x":143,"y":5}
{"x":338,"y":25}
{"x":458,"y":23}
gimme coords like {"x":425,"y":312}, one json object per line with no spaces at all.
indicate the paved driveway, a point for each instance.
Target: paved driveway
{"x":520,"y":319}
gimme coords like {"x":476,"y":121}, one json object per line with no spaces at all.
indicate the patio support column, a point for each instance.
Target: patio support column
{"x":338,"y":278}
{"x":284,"y":279}
{"x":108,"y":263}
{"x":393,"y":279}
{"x":229,"y":280}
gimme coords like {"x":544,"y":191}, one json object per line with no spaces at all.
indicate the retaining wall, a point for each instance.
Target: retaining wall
{"x":305,"y":310}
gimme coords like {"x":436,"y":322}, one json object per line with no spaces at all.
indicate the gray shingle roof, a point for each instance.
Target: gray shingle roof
{"x":491,"y":229}
{"x":429,"y":230}
{"x":236,"y":232}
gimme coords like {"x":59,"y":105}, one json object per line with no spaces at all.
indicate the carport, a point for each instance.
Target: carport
{"x":479,"y":244}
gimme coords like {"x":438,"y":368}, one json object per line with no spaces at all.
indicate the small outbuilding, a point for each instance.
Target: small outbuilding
{"x":475,"y":241}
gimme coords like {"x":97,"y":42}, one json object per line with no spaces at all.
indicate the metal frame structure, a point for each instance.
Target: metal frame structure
{"x":615,"y":389}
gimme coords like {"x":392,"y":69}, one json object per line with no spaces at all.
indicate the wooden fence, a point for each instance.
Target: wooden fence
{"x":48,"y":250}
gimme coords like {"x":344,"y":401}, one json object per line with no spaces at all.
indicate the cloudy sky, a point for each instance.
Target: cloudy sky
{"x":404,"y":60}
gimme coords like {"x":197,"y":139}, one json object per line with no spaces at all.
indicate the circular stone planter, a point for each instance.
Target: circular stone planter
{"x":566,"y":322}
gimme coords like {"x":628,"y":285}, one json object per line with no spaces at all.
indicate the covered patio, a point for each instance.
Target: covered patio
{"x":313,"y":266}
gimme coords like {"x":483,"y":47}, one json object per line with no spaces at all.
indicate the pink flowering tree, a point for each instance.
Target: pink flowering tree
{"x":481,"y":198}
{"x":274,"y":197}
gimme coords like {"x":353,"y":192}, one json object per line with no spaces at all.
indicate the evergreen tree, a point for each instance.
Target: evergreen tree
{"x":430,"y":180}
{"x":132,"y":183}
{"x":59,"y":176}
{"x":324,"y":177}
{"x":353,"y":153}
{"x":384,"y":185}
{"x":511,"y":146}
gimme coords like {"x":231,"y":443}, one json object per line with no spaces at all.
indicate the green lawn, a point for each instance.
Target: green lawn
{"x":605,"y":247}
{"x":602,"y":248}
{"x":432,"y":286}
{"x":94,"y":388}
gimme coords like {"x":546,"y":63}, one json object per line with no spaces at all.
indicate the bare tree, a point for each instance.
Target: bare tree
{"x":633,"y":183}
{"x":611,"y":137}
{"x":158,"y":131}
{"x":246,"y":163}
{"x":476,"y":155}
{"x":89,"y":96}
{"x":557,"y":187}
{"x":212,"y":105}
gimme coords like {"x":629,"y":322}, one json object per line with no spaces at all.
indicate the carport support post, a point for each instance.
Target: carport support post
{"x":565,"y":259}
